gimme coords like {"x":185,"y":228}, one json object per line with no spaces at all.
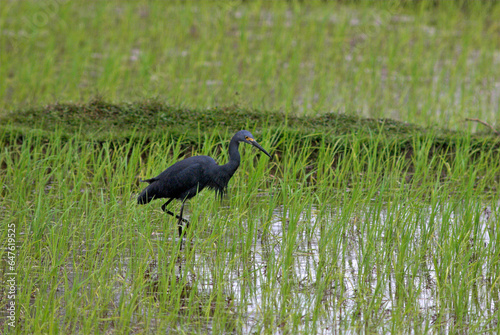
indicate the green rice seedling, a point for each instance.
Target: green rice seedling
{"x":327,"y":236}
{"x":426,"y":63}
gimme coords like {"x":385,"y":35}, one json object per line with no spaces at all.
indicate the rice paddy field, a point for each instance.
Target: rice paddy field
{"x":379,"y":211}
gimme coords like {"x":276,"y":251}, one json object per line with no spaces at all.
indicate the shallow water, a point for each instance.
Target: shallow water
{"x":409,"y":292}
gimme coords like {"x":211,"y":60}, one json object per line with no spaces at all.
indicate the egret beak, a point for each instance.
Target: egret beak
{"x":257,"y":145}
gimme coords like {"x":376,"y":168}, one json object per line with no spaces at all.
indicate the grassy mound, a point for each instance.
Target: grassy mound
{"x":149,"y":120}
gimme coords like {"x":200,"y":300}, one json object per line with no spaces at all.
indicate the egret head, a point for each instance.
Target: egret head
{"x":247,"y":137}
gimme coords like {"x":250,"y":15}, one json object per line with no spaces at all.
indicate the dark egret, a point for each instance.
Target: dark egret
{"x":188,"y":177}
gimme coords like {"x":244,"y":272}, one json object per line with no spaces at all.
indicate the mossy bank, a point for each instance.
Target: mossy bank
{"x":102,"y":121}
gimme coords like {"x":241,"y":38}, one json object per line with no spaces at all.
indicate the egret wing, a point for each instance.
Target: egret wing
{"x":182,"y":180}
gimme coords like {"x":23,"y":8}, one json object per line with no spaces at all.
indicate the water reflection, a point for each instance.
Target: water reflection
{"x":335,"y":274}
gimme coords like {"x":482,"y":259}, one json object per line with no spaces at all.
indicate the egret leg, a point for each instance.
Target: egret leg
{"x":164,"y":208}
{"x":179,"y":223}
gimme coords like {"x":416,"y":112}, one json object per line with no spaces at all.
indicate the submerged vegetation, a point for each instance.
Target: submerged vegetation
{"x":374,"y":225}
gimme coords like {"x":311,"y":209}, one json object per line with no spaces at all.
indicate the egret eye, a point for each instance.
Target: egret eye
{"x":247,"y":138}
